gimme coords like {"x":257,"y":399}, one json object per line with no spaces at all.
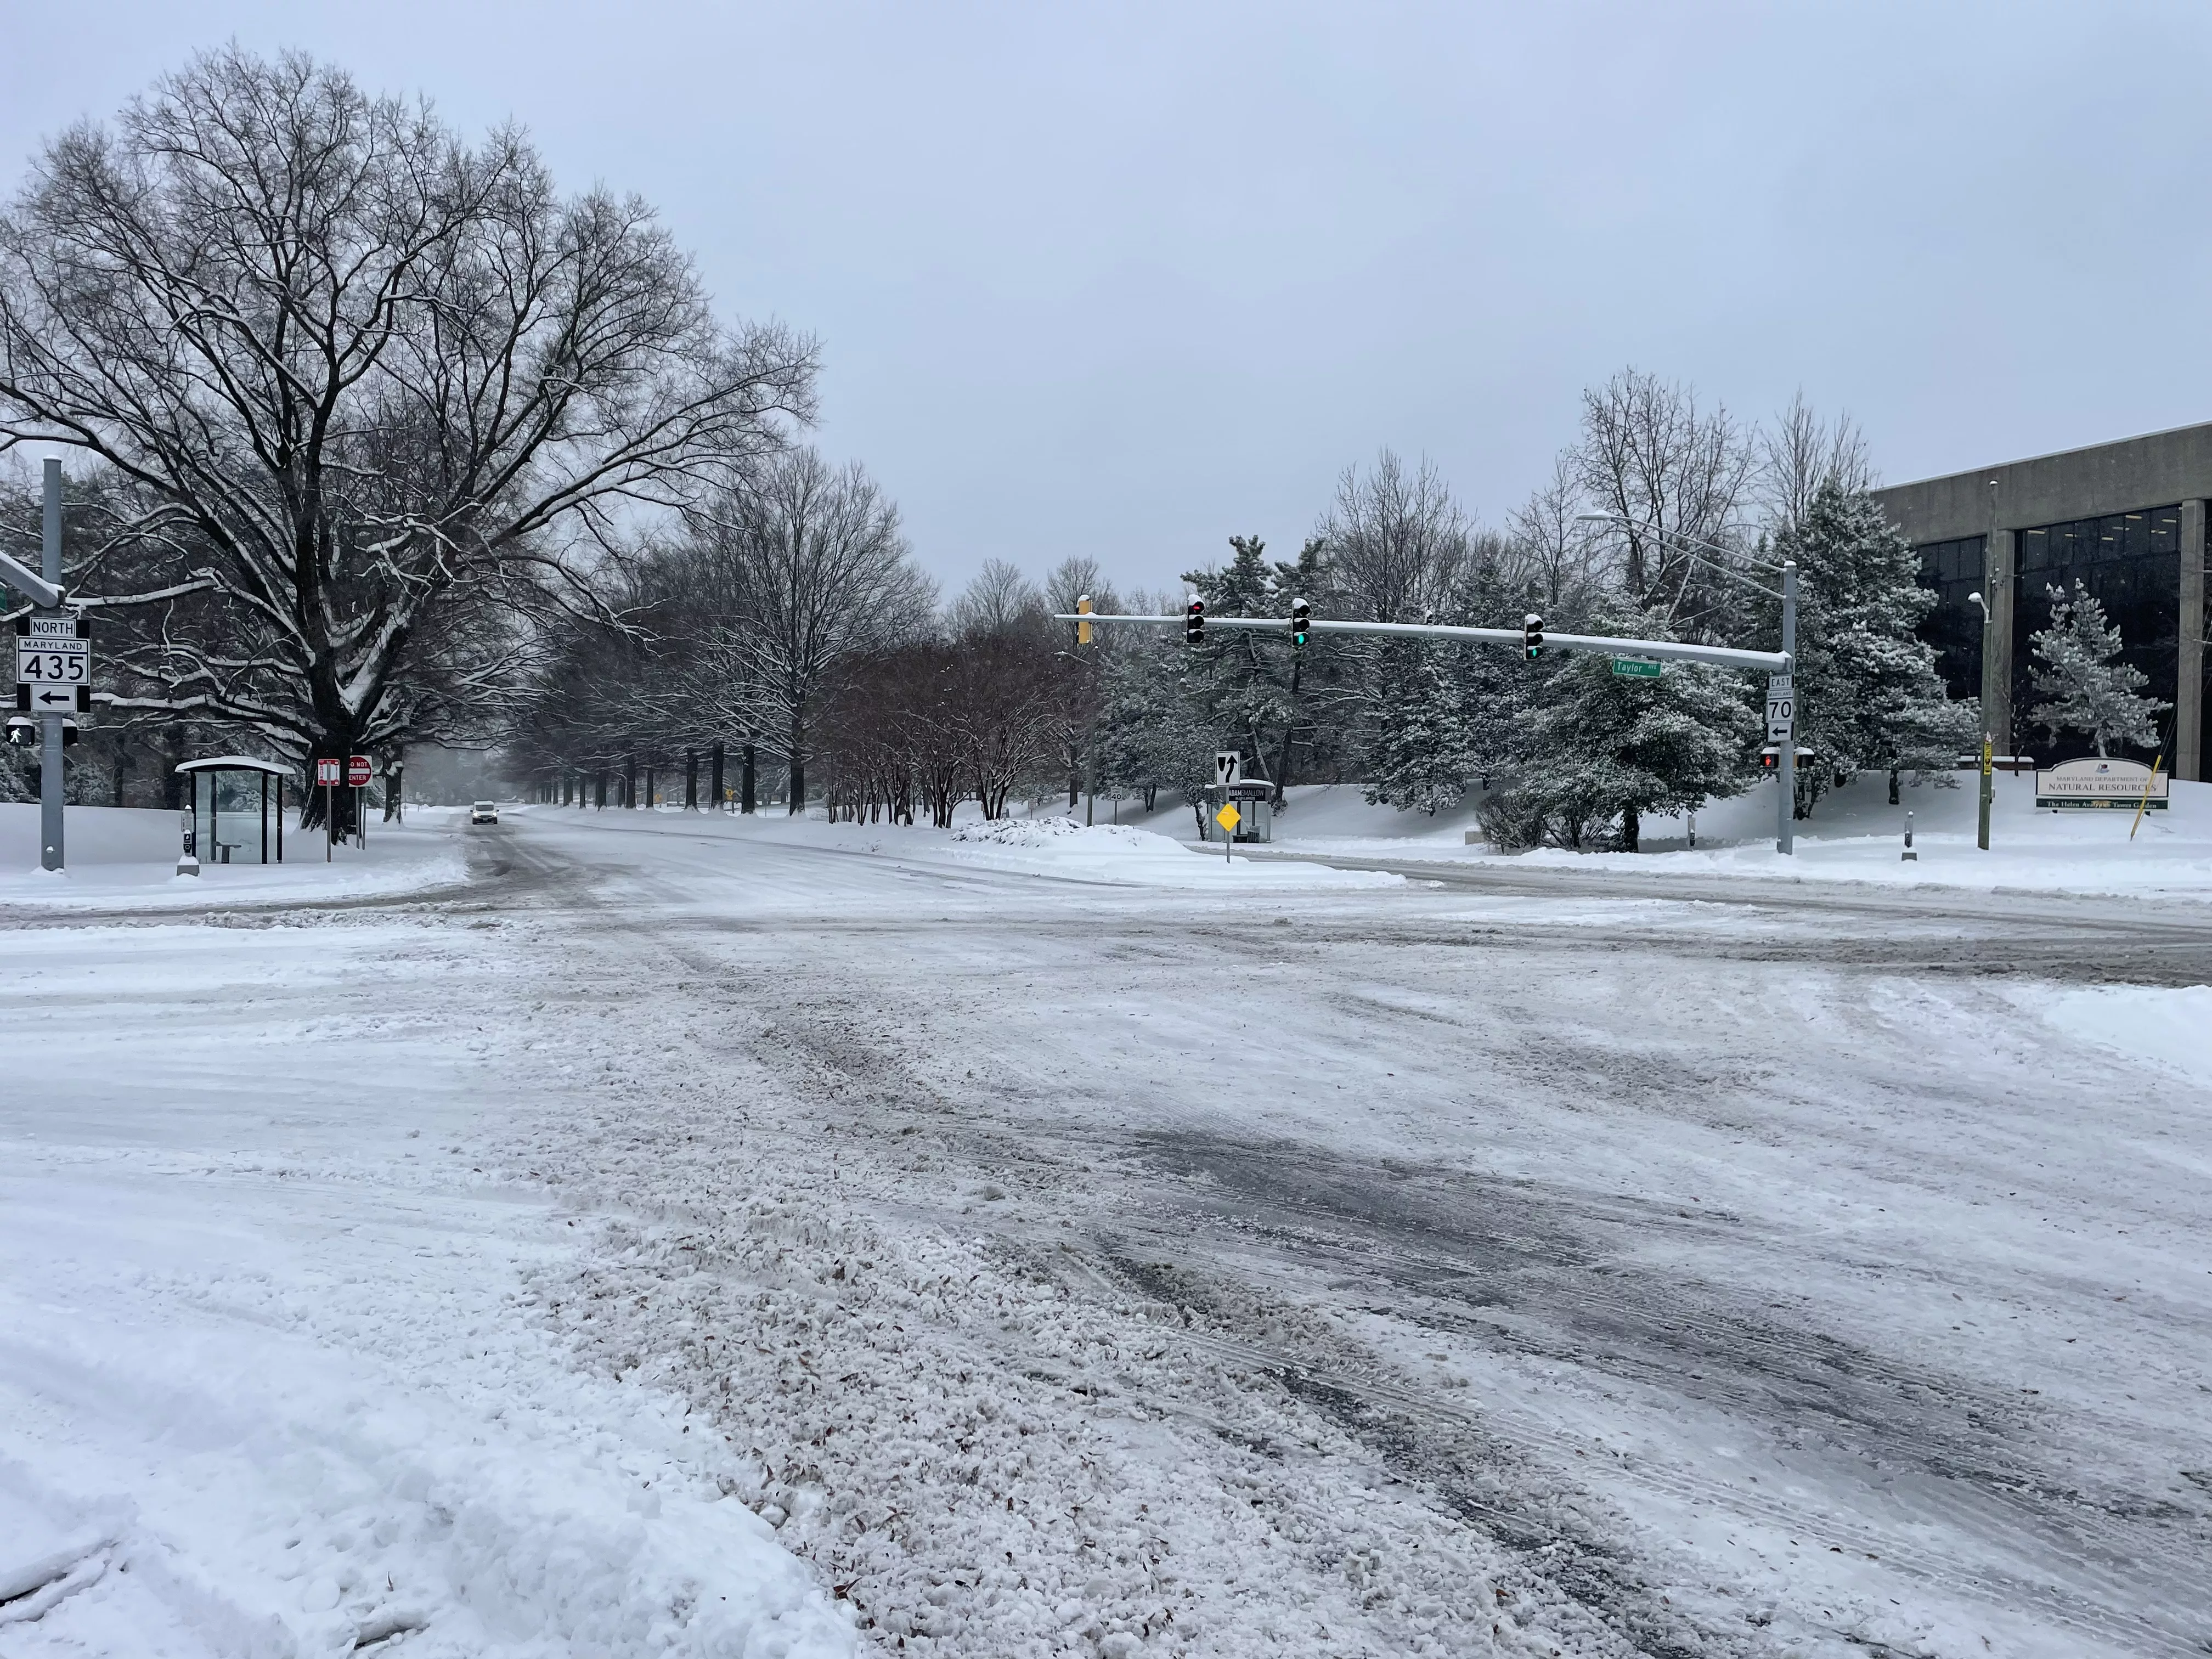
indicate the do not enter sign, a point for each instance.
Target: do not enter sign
{"x":357,"y":771}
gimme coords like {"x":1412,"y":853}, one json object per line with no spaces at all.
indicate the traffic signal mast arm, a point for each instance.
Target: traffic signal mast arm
{"x":34,"y":587}
{"x":1773,"y":661}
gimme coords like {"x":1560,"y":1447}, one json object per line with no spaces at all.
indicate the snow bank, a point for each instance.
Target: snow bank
{"x":1132,"y":858}
{"x":2155,"y":1026}
{"x":268,"y":1389}
{"x":1854,"y":835}
{"x":123,"y":858}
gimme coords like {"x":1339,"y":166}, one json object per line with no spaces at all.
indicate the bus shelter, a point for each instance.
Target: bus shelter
{"x":1255,"y":811}
{"x":232,"y":806}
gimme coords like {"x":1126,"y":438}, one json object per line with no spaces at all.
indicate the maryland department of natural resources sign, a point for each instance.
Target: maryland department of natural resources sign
{"x":2107,"y":783}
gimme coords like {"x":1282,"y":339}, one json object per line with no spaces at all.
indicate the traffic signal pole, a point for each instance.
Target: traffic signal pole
{"x":1724,"y":656}
{"x":1530,"y":638}
{"x":45,"y":593}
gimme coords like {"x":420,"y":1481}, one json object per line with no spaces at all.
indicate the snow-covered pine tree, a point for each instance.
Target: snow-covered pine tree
{"x":2084,"y":687}
{"x":1608,"y":749}
{"x":1420,"y":757}
{"x":1869,"y":695}
{"x":1153,"y":734}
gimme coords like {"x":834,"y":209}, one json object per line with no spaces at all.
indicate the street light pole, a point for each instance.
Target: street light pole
{"x":1989,"y":780}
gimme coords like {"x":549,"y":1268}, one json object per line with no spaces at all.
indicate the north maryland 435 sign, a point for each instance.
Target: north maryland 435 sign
{"x":53,"y":666}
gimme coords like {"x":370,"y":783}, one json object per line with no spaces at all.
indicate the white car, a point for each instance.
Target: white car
{"x":484,"y":812}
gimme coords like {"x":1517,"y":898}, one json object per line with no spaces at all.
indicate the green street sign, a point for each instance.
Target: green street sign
{"x":1636,"y":668}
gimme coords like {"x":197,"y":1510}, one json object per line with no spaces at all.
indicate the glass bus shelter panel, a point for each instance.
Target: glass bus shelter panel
{"x":2130,"y":562}
{"x":228,"y":817}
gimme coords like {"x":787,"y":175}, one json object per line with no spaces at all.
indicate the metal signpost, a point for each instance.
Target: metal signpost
{"x":329,"y":770}
{"x":53,"y":664}
{"x":359,"y":770}
{"x":1228,"y":771}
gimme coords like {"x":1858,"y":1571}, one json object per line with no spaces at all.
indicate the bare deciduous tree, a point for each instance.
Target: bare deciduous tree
{"x":999,"y":600}
{"x":1396,"y":541}
{"x":1801,"y":452}
{"x":811,"y":569}
{"x":356,"y":374}
{"x":1549,"y":554}
{"x":1675,"y":476}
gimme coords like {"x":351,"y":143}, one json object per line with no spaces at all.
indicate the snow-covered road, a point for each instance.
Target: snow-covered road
{"x":1059,"y":1267}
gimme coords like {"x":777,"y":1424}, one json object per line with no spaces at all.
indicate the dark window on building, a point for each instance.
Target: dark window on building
{"x":2131,"y":563}
{"x":1952,"y":570}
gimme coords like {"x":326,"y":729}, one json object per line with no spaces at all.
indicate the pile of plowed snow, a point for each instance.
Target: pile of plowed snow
{"x":1134,"y":858}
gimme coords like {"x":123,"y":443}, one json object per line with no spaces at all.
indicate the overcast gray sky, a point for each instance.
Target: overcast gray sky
{"x":1125,"y":280}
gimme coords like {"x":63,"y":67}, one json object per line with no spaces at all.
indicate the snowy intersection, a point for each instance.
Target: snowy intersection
{"x":699,"y":1241}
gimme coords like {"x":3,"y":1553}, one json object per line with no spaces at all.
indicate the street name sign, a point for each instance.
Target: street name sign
{"x":1636,"y":668}
{"x":1781,"y":709}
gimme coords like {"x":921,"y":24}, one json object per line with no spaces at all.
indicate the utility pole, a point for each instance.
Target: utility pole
{"x":1988,"y":781}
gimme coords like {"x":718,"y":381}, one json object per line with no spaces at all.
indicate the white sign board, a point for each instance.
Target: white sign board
{"x":1781,"y":709}
{"x":52,"y":659}
{"x":1228,"y":767}
{"x":2096,"y":782}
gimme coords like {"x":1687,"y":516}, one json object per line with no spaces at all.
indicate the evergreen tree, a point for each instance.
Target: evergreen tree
{"x":1422,"y":752}
{"x":2084,"y":688}
{"x":1153,"y":733}
{"x":1607,"y":748}
{"x":1868,"y":692}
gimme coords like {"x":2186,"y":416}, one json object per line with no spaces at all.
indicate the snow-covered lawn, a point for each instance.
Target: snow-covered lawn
{"x":1854,"y":835}
{"x":723,"y":1237}
{"x":126,"y":858}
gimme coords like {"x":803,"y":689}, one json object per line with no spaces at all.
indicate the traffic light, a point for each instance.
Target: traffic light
{"x":1301,"y":614}
{"x":1532,"y":635}
{"x":1193,"y":622}
{"x":1083,"y":629}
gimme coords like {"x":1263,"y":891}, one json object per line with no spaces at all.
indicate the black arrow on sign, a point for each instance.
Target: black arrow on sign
{"x":48,"y":695}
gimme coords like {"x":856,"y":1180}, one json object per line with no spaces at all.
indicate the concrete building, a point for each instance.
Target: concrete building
{"x":2126,"y":519}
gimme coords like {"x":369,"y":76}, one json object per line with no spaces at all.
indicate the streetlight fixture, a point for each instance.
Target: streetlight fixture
{"x":1988,"y":779}
{"x":1782,"y":683}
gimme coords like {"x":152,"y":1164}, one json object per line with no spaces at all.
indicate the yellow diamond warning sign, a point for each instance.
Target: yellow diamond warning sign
{"x":1229,"y":818}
